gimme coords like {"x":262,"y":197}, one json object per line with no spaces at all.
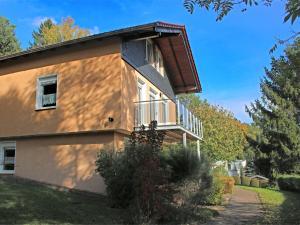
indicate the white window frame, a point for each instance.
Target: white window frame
{"x":41,"y":81}
{"x":142,"y":85}
{"x":10,"y":144}
{"x":156,"y":57}
{"x":154,"y":94}
{"x":165,"y":102}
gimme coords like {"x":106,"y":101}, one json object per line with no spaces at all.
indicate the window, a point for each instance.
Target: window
{"x":7,"y":157}
{"x":150,"y":52}
{"x":165,"y":110}
{"x":153,"y":105}
{"x":46,"y":92}
{"x":154,"y":57}
{"x":141,"y":104}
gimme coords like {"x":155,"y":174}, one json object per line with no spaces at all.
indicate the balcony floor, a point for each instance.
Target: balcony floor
{"x":175,"y":132}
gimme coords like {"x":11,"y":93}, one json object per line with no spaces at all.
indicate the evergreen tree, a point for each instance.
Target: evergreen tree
{"x":41,"y":37}
{"x":8,"y":41}
{"x":277,"y":114}
{"x":49,"y":33}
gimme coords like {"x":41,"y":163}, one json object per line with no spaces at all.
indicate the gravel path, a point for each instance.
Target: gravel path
{"x":244,"y":207}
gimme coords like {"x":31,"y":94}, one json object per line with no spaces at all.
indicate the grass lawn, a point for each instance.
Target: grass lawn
{"x":35,"y":204}
{"x":281,"y":207}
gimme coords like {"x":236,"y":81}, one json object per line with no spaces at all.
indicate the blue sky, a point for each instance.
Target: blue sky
{"x":230,"y":55}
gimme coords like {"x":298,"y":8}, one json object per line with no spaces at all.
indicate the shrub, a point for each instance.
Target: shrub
{"x":246,"y":181}
{"x":212,"y":195}
{"x":289,"y":182}
{"x":133,"y":177}
{"x":184,"y":162}
{"x":228,"y":183}
{"x":254,"y":182}
{"x":263,"y":183}
{"x":220,"y":171}
{"x":237,"y":180}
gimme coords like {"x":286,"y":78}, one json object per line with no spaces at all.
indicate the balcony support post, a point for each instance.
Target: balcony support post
{"x":184,"y":139}
{"x":198,"y":149}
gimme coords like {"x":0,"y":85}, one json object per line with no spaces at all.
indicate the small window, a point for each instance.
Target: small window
{"x":7,"y":157}
{"x":46,"y":92}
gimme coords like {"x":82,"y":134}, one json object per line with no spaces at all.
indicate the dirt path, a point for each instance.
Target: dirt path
{"x":244,"y":207}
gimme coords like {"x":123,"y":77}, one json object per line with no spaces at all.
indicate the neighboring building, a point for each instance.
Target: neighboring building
{"x":61,"y":104}
{"x":236,"y":167}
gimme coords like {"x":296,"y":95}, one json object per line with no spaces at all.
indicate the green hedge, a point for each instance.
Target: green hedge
{"x":237,"y":180}
{"x":289,"y":182}
{"x":254,"y":182}
{"x":246,"y":181}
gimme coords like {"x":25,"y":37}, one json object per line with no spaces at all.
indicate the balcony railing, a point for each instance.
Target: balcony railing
{"x":167,"y":113}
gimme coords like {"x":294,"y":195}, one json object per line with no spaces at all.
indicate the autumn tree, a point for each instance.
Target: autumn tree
{"x":8,"y":40}
{"x":277,"y":114}
{"x":224,"y":136}
{"x":50,"y":33}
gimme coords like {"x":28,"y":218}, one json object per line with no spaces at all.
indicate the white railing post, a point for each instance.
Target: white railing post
{"x":178,"y":111}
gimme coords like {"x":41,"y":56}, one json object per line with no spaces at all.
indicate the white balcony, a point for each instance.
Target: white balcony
{"x":170,"y":115}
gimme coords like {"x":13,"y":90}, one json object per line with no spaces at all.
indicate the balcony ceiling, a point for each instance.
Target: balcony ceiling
{"x":171,"y":38}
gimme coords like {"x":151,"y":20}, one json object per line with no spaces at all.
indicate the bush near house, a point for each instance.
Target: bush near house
{"x":289,"y":182}
{"x":246,"y":181}
{"x":156,"y":186}
{"x":228,"y":183}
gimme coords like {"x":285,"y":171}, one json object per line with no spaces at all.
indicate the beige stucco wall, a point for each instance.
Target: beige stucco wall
{"x":89,"y":91}
{"x":67,"y":161}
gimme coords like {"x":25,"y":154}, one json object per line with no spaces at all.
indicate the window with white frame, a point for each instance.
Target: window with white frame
{"x":154,"y":57}
{"x":7,"y":157}
{"x":46,"y":92}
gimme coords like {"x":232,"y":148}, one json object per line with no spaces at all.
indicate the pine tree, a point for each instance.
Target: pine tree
{"x":8,"y":41}
{"x":50,"y":33}
{"x":277,"y":114}
{"x":40,"y":37}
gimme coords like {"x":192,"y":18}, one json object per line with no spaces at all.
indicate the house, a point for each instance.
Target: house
{"x":61,"y":104}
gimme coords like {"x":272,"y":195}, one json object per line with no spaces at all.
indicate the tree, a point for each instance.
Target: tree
{"x":50,"y":33}
{"x":8,"y":41}
{"x":277,"y":114}
{"x":223,"y":7}
{"x":224,"y":136}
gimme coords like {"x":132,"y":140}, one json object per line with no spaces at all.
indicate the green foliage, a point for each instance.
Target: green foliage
{"x":215,"y":195}
{"x":289,"y":182}
{"x":8,"y":41}
{"x":254,"y":182}
{"x":134,"y":175}
{"x":222,"y":8}
{"x":224,"y":137}
{"x":184,"y":162}
{"x":50,"y":33}
{"x":246,"y":181}
{"x":237,"y":180}
{"x":277,"y":114}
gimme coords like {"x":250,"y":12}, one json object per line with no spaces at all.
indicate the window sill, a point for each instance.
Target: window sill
{"x":46,"y":108}
{"x":7,"y":172}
